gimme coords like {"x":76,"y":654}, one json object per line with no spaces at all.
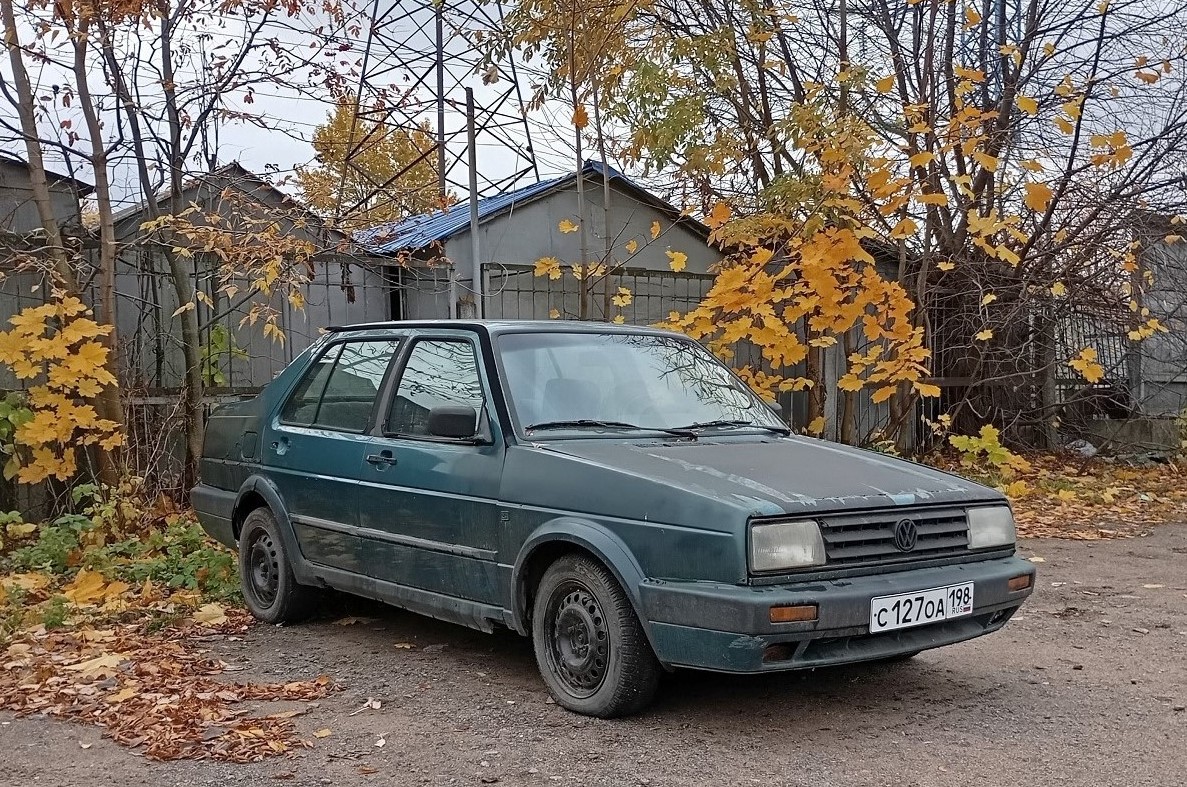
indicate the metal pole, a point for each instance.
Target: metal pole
{"x":441,"y":184}
{"x":472,"y":148}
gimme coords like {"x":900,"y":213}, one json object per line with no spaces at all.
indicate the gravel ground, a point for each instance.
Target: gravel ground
{"x":1086,"y":686}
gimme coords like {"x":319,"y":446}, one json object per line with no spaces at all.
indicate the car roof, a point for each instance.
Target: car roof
{"x":494,"y":327}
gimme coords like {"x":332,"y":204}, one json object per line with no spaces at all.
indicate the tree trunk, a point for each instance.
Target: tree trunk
{"x":107,"y":404}
{"x":183,"y":278}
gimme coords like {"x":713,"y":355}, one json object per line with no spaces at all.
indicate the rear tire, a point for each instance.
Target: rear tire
{"x":590,"y":647}
{"x":266,"y":574}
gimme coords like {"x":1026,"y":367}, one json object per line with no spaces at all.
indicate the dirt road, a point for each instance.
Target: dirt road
{"x":1087,"y":686}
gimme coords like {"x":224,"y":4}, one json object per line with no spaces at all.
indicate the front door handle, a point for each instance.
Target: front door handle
{"x":381,"y":459}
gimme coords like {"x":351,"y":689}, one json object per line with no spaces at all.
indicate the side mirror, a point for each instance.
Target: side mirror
{"x":453,"y":420}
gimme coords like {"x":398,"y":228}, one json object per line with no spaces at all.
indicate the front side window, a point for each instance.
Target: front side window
{"x":645,"y":380}
{"x":339,"y":391}
{"x":439,"y":372}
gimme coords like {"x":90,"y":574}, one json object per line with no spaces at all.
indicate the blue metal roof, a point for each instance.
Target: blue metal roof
{"x":418,"y":232}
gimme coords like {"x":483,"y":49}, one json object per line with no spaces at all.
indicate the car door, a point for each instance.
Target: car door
{"x":319,"y":439}
{"x":428,"y":510}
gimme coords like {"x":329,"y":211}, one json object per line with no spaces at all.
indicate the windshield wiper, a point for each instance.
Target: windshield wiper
{"x":783,"y":430}
{"x":593,"y":423}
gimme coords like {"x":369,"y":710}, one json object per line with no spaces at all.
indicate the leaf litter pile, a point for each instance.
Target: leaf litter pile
{"x":152,"y":690}
{"x":1058,"y":497}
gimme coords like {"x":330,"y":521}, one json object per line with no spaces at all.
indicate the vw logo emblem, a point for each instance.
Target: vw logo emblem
{"x":906,"y":533}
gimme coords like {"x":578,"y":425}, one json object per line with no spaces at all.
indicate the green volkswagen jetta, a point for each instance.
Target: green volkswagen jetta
{"x":616,"y":494}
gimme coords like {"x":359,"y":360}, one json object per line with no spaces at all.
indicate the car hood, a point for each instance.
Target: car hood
{"x":773,"y":476}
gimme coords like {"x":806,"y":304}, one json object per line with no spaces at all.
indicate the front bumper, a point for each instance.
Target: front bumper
{"x":727,"y":627}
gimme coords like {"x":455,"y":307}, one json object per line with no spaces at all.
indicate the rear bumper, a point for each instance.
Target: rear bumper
{"x":214,"y":508}
{"x":727,"y":627}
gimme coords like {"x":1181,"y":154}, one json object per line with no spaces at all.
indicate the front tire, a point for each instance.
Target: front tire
{"x":266,"y":574}
{"x":590,"y":646}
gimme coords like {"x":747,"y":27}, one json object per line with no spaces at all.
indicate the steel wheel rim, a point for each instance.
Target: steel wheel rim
{"x":577,"y":639}
{"x":263,"y":569}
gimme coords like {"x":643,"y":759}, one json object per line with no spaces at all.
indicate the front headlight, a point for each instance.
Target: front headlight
{"x":992,"y":526}
{"x":783,"y":545}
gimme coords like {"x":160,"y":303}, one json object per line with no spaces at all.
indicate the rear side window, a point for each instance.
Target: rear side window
{"x":339,"y":391}
{"x":439,"y":372}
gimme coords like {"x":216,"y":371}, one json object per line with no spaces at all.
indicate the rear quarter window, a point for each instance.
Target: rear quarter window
{"x":339,"y":391}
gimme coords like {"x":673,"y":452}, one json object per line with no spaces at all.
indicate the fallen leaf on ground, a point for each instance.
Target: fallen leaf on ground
{"x":100,"y":666}
{"x":1038,"y":560}
{"x":211,"y":615}
{"x":87,"y":587}
{"x":322,"y":733}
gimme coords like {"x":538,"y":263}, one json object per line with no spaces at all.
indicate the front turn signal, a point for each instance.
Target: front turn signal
{"x":1019,"y":583}
{"x":799,"y":613}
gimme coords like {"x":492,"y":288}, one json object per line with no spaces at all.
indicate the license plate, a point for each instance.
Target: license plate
{"x":921,"y":607}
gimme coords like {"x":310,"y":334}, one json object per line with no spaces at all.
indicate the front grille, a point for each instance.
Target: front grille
{"x":859,"y":539}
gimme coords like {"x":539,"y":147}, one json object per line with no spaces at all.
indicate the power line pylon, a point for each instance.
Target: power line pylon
{"x":418,"y":59}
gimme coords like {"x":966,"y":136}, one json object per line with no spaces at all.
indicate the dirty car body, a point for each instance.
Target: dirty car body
{"x":615,"y":493}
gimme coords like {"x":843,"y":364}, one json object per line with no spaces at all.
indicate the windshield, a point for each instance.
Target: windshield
{"x":618,"y":381}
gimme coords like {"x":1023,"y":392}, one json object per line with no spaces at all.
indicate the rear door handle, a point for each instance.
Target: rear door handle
{"x":381,"y":459}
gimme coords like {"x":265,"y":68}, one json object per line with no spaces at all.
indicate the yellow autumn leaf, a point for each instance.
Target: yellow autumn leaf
{"x":1015,"y":489}
{"x":1064,"y":125}
{"x":850,"y":382}
{"x":885,"y":84}
{"x":922,"y":159}
{"x":632,"y":246}
{"x":904,"y":229}
{"x":927,"y":389}
{"x":719,"y":215}
{"x":971,"y":18}
{"x":623,"y":298}
{"x":1030,"y":165}
{"x":1148,"y":77}
{"x":655,"y":230}
{"x":1058,"y":289}
{"x":988,"y":299}
{"x":677,"y":260}
{"x":932,"y":198}
{"x":817,"y":425}
{"x":553,"y":314}
{"x":1086,"y":364}
{"x":580,"y":116}
{"x":619,"y":320}
{"x":986,"y":160}
{"x":86,"y":587}
{"x":210,"y":615}
{"x":566,"y":226}
{"x":1028,"y":105}
{"x":1038,"y":196}
{"x":548,"y":266}
{"x":946,"y":265}
{"x":984,"y":336}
